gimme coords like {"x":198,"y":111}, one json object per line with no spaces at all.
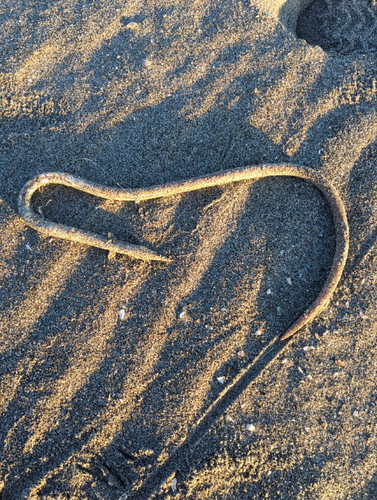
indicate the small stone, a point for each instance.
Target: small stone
{"x":269,"y":292}
{"x":174,"y":485}
{"x":182,"y":313}
{"x":27,"y":246}
{"x":122,"y":314}
{"x":284,"y":360}
{"x":132,"y":25}
{"x":289,"y":281}
{"x":306,"y":348}
{"x":258,"y":333}
{"x":148,"y":63}
{"x":301,"y":370}
{"x":355,"y":413}
{"x":221,"y":379}
{"x":250,"y":427}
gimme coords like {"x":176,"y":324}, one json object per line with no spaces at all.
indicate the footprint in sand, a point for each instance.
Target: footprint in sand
{"x":343,"y":26}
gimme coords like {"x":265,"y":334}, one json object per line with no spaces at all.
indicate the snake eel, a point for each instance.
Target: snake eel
{"x":221,"y":178}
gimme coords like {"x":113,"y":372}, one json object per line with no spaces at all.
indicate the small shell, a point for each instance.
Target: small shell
{"x":132,"y":25}
{"x":174,"y":485}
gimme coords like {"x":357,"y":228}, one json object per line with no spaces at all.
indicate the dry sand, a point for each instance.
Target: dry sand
{"x":190,"y":395}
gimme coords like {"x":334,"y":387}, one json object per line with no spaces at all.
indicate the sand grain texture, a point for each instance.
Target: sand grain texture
{"x":135,"y":94}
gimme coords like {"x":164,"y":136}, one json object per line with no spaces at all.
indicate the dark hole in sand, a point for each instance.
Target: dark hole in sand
{"x":342,"y":26}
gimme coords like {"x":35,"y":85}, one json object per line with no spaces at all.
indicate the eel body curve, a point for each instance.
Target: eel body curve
{"x":221,"y":178}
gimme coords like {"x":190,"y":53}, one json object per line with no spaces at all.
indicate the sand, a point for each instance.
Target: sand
{"x":123,"y":379}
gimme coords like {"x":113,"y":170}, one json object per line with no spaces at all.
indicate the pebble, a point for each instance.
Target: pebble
{"x":174,"y":485}
{"x":27,"y":246}
{"x":285,"y":360}
{"x":181,"y":314}
{"x":132,"y":25}
{"x":221,"y":379}
{"x":269,"y":292}
{"x":250,"y":427}
{"x":258,"y":332}
{"x":289,"y":281}
{"x":148,"y":63}
{"x":122,"y":314}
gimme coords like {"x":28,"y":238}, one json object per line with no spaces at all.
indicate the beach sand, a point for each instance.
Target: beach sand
{"x":121,"y":379}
